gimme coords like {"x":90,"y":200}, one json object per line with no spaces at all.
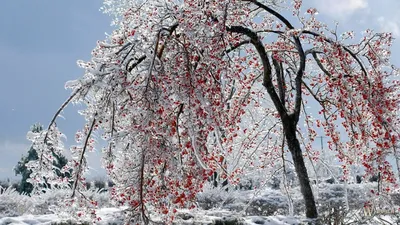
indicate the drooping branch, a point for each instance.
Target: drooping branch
{"x":79,"y":170}
{"x":267,"y":80}
{"x":352,"y":54}
{"x":53,"y":120}
{"x":314,"y":54}
{"x":233,"y":48}
{"x":273,"y":12}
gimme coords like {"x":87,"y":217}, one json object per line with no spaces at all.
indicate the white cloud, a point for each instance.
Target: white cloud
{"x":340,"y":8}
{"x":389,"y":25}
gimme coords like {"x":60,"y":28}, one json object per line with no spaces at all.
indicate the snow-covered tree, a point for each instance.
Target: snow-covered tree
{"x":182,"y":89}
{"x":21,"y":169}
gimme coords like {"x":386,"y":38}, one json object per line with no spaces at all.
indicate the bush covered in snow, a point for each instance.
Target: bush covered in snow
{"x":13,"y":203}
{"x":335,"y":201}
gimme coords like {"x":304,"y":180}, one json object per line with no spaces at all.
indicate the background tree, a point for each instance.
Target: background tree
{"x":170,"y":86}
{"x":20,"y":169}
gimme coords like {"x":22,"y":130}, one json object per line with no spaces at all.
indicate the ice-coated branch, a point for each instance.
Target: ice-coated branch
{"x":255,"y":40}
{"x":82,"y":156}
{"x":53,"y":120}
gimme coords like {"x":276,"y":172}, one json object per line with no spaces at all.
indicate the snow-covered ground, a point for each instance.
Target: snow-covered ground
{"x":111,"y":216}
{"x":114,"y":216}
{"x":108,"y":215}
{"x":263,"y":207}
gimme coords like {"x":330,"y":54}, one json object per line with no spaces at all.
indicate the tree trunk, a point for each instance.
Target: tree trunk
{"x":289,"y":121}
{"x":301,"y":170}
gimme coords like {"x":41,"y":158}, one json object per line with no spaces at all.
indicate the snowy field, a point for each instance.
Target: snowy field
{"x":111,"y":216}
{"x":114,"y":216}
{"x":266,"y":207}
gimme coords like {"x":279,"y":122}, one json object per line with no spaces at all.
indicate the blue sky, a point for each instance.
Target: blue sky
{"x":40,"y":42}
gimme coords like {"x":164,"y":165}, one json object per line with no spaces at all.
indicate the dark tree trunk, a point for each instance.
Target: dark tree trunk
{"x":289,"y":121}
{"x":301,"y":170}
